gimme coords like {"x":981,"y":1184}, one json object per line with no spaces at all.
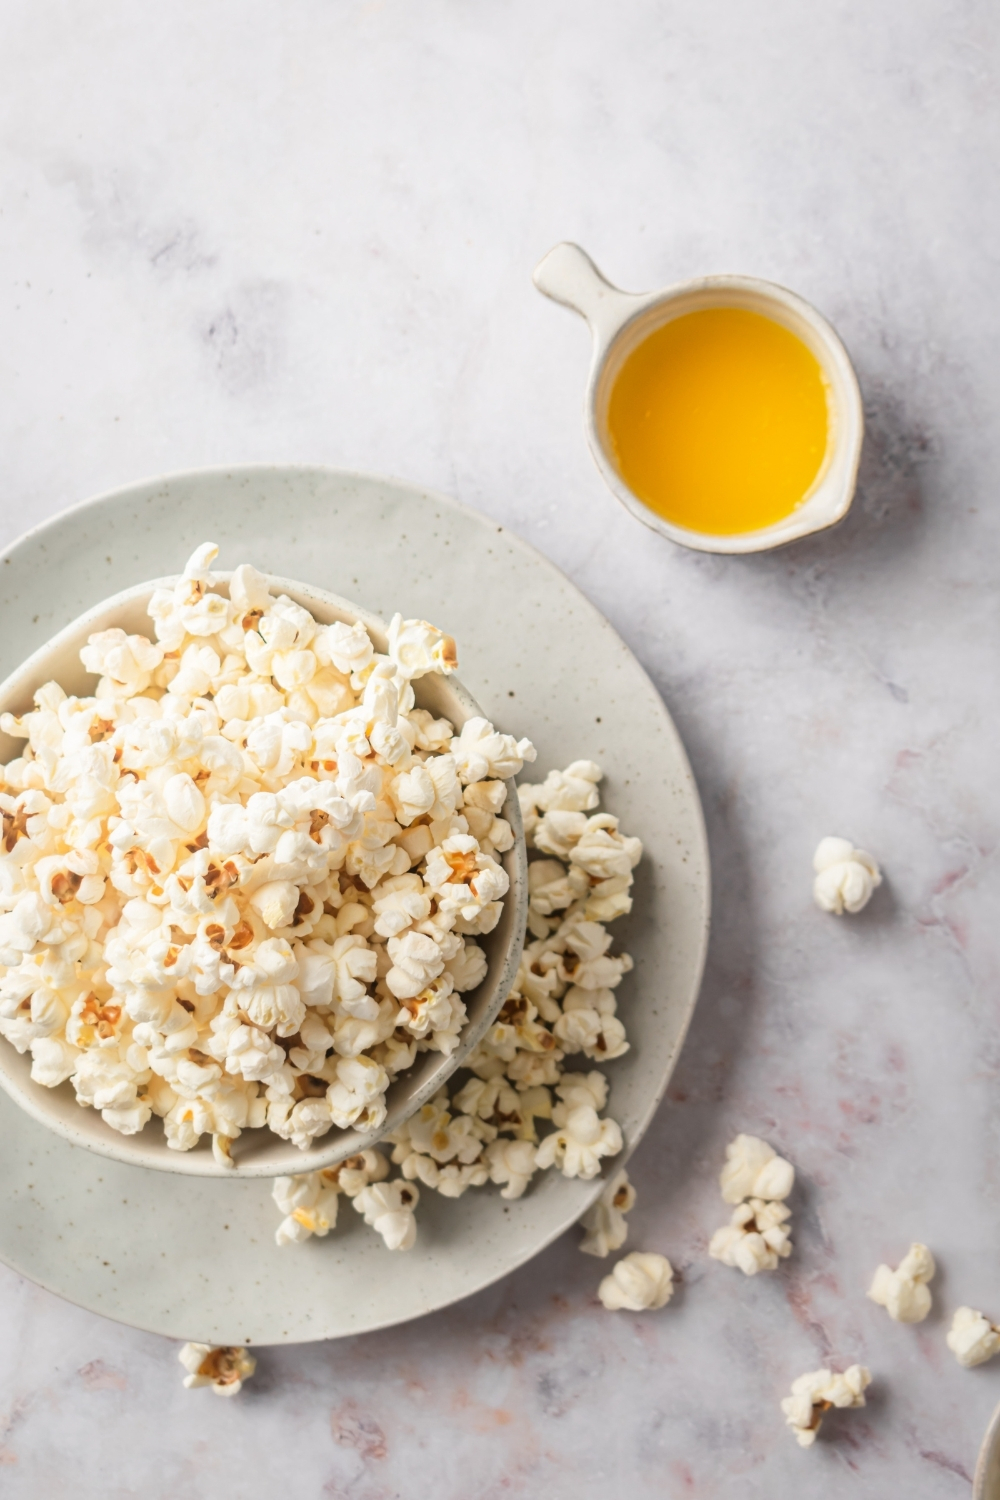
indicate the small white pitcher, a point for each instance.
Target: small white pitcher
{"x":620,"y":321}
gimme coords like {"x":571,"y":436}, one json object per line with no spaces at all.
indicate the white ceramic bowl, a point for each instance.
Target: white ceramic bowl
{"x":620,"y":321}
{"x":259,"y":1153}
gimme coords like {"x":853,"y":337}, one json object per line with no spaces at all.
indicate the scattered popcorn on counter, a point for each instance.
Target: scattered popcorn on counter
{"x":758,"y":1234}
{"x":904,"y":1293}
{"x":972,"y":1339}
{"x":483,"y":1126}
{"x":755,"y":1239}
{"x":241,"y":885}
{"x":604,"y":1221}
{"x":814,"y":1394}
{"x":845,"y":876}
{"x":224,"y":1369}
{"x":639,"y":1282}
{"x":754,"y":1170}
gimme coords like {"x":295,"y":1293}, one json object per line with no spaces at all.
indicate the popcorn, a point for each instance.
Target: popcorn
{"x":481,"y":752}
{"x":604,"y":1221}
{"x":577,"y":1148}
{"x":433,"y":1136}
{"x":754,"y":1170}
{"x":238,"y":888}
{"x":402,"y":902}
{"x":416,"y":961}
{"x":357,"y":1096}
{"x":309,"y":1203}
{"x":388,"y":1207}
{"x":972,"y":1338}
{"x":416,"y":647}
{"x":639,"y":1282}
{"x":572,"y":790}
{"x":552,"y":888}
{"x":756,"y":1179}
{"x":755,"y":1238}
{"x":602,"y":852}
{"x":904,"y":1293}
{"x":486,"y":1126}
{"x":578,"y":1090}
{"x":467,"y":967}
{"x":814,"y":1394}
{"x":310,"y":1200}
{"x":125,"y":663}
{"x":348,"y":647}
{"x":466,"y":883}
{"x":224,"y":1369}
{"x":588,"y":1024}
{"x":511,"y":1163}
{"x":845,"y":876}
{"x":357,"y":1172}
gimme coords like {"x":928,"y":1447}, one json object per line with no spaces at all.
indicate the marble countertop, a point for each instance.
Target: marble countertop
{"x":238,"y":231}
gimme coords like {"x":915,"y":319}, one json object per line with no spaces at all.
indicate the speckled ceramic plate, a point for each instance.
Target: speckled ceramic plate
{"x":196,"y":1258}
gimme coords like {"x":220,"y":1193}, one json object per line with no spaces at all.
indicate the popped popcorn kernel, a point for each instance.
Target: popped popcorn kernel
{"x":755,"y":1170}
{"x":755,"y":1239}
{"x":845,"y":876}
{"x":389,"y":1208}
{"x":309,"y":1202}
{"x":972,"y":1338}
{"x":223,"y":1368}
{"x":604,"y":1221}
{"x":814,"y":1394}
{"x":639,"y":1282}
{"x":905,"y":1293}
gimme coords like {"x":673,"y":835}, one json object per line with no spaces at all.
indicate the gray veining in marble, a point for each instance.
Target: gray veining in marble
{"x":246,"y":231}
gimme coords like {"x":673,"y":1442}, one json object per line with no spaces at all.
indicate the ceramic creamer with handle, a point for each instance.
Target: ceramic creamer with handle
{"x":621,"y":321}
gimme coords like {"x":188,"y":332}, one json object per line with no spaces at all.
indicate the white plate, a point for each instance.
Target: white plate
{"x":193,"y":1258}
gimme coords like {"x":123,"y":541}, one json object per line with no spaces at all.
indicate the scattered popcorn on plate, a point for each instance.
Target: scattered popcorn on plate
{"x":309,"y":1200}
{"x":813,"y":1395}
{"x":904,"y":1293}
{"x":242,"y":884}
{"x":388,"y":1208}
{"x":604,"y":1221}
{"x":516,"y":1108}
{"x":638,"y":1283}
{"x":972,"y":1338}
{"x":224,"y":1369}
{"x":845,"y":876}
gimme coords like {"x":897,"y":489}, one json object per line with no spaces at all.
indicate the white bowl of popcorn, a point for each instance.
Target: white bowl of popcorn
{"x":263,"y":889}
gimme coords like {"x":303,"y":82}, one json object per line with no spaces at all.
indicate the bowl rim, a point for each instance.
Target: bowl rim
{"x":279,"y":1157}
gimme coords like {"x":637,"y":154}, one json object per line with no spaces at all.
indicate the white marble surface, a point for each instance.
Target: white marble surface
{"x":236,"y":231}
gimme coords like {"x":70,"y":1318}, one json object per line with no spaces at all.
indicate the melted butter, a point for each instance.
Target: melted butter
{"x":719,"y":421}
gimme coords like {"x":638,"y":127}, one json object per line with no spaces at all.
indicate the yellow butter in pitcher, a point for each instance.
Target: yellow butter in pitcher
{"x":719,"y":421}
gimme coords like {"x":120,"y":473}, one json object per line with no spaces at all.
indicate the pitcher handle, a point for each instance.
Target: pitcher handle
{"x":568,"y":275}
